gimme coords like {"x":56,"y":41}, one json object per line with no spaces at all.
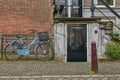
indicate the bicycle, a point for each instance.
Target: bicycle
{"x":15,"y":49}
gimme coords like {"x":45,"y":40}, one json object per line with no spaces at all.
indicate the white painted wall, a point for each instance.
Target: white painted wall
{"x":60,"y":36}
{"x":92,"y":36}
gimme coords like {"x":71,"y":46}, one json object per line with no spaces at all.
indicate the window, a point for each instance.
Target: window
{"x":72,"y":8}
{"x":61,"y":2}
{"x":76,"y":8}
{"x":109,"y":2}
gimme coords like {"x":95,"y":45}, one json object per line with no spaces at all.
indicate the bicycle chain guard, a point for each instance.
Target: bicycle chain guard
{"x":23,"y":52}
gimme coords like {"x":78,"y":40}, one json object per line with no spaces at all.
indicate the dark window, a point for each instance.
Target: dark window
{"x":75,"y":2}
{"x":109,"y":2}
{"x":75,"y":6}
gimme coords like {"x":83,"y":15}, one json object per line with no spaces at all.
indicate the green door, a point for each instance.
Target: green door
{"x":77,"y":40}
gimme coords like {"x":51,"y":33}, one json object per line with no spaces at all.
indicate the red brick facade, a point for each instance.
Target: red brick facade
{"x":117,"y":3}
{"x":20,"y":16}
{"x":87,"y":2}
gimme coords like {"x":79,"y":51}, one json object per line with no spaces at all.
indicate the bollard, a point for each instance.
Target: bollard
{"x":2,"y":47}
{"x":94,"y":63}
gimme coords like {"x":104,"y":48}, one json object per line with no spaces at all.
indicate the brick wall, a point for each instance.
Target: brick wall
{"x":87,"y":2}
{"x":19,"y":16}
{"x":117,"y":3}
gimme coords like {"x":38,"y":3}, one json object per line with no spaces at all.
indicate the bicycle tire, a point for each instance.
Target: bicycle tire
{"x":10,"y":52}
{"x":44,"y":52}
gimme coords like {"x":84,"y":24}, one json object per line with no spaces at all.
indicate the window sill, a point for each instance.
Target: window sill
{"x":102,"y":6}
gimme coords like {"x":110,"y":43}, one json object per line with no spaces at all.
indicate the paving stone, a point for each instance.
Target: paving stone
{"x":51,"y":70}
{"x":97,"y":78}
{"x":105,"y":78}
{"x":16,"y":79}
{"x":76,"y":79}
{"x":118,"y":78}
{"x":90,"y":79}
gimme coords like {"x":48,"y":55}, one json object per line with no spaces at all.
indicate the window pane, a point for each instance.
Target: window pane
{"x":64,"y":13}
{"x":109,"y":2}
{"x":75,"y":7}
{"x":75,"y":12}
{"x":61,"y":2}
{"x":75,"y":3}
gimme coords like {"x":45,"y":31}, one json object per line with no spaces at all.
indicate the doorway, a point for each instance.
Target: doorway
{"x":77,"y":40}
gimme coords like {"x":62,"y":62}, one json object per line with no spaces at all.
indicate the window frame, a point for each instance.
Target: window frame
{"x":69,"y":8}
{"x":73,"y":8}
{"x":97,"y":5}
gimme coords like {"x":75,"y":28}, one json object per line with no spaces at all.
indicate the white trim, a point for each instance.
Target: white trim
{"x":96,"y":1}
{"x":69,"y":8}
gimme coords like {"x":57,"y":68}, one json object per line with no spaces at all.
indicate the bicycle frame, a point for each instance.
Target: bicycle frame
{"x":35,"y":40}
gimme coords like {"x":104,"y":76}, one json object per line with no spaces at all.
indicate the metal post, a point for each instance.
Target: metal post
{"x":94,"y":63}
{"x":92,"y":8}
{"x":2,"y":47}
{"x":58,"y":8}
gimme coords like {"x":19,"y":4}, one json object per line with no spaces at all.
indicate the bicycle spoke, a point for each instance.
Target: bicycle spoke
{"x":10,"y":52}
{"x":43,"y":52}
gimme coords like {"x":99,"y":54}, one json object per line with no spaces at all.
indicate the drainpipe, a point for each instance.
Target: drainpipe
{"x":92,"y":8}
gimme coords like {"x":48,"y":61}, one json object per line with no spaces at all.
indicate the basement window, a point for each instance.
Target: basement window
{"x":98,"y":3}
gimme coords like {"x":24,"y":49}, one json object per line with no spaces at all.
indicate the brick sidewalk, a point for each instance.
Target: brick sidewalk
{"x":53,"y":70}
{"x":24,"y":68}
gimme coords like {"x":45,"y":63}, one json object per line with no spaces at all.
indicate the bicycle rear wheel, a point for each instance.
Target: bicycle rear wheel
{"x":44,"y":52}
{"x":10,"y":52}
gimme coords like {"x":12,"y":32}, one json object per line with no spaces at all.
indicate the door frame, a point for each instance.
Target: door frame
{"x":66,"y":58}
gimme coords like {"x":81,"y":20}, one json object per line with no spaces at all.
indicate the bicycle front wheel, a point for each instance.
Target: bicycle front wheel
{"x":44,"y":52}
{"x":10,"y":52}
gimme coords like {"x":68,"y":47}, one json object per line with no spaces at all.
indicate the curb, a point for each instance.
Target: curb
{"x":60,"y":76}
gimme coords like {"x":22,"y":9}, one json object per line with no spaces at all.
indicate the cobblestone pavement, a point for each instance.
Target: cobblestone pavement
{"x":53,"y":70}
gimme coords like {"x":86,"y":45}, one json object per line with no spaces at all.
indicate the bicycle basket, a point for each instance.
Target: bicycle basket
{"x":43,"y":36}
